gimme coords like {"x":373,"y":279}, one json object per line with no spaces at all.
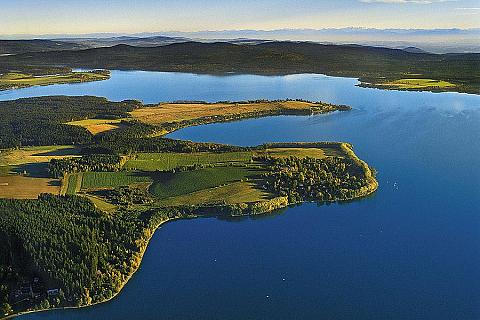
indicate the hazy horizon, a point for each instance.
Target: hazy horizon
{"x":29,"y":17}
{"x":219,"y":31}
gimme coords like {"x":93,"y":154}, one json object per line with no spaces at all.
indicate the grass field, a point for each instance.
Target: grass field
{"x":168,"y":161}
{"x":175,"y":112}
{"x":301,"y":152}
{"x":175,"y":184}
{"x":96,"y":126}
{"x":74,"y":183}
{"x":36,"y":154}
{"x":236,"y":192}
{"x":21,"y":187}
{"x":98,"y":180}
{"x":101,"y":204}
{"x":24,"y":173}
{"x":418,"y":84}
{"x":20,"y":80}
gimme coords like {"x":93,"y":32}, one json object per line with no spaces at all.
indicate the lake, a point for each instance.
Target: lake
{"x":410,"y":251}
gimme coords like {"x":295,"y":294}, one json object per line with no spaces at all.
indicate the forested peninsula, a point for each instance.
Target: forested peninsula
{"x":85,"y":182}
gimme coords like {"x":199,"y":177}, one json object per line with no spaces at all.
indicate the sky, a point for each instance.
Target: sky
{"x":133,"y":16}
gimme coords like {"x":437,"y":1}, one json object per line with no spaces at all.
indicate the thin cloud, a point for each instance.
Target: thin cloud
{"x":468,"y":11}
{"x":406,"y":1}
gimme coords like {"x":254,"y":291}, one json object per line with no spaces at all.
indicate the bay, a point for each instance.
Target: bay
{"x":411,"y":251}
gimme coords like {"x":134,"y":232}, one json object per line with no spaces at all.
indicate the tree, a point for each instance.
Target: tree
{"x":6,"y":309}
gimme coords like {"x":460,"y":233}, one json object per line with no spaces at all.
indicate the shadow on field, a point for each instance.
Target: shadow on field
{"x":71,"y":151}
{"x":34,"y":170}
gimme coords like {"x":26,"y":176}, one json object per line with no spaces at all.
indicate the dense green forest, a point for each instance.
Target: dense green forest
{"x":311,"y":179}
{"x":72,"y":245}
{"x":134,"y":136}
{"x":90,"y":162}
{"x":41,"y":120}
{"x":370,"y":64}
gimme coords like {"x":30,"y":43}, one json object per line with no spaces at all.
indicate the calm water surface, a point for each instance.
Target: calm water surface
{"x":411,"y":251}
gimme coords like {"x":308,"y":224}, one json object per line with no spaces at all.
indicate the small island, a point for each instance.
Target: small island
{"x":84,"y":189}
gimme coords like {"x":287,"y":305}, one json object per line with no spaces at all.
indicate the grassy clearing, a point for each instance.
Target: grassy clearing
{"x":168,"y":161}
{"x":236,"y":192}
{"x":36,"y":154}
{"x":96,"y":126}
{"x":20,"y":80}
{"x":419,"y":84}
{"x":175,"y":112}
{"x":101,"y":204}
{"x":98,"y":180}
{"x":175,"y":184}
{"x":21,"y":187}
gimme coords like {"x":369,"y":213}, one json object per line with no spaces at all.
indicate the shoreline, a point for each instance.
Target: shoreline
{"x":137,"y":258}
{"x":361,"y":82}
{"x":124,"y":283}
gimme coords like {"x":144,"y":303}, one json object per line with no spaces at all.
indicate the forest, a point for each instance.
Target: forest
{"x":373,"y":65}
{"x":41,"y":120}
{"x":72,"y":245}
{"x":311,"y":179}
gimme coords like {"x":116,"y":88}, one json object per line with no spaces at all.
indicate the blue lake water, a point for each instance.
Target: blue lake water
{"x":411,"y":251}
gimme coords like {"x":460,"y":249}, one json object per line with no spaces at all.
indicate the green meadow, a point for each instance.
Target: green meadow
{"x":98,"y":180}
{"x":172,"y":160}
{"x":168,"y":185}
{"x":21,"y":80}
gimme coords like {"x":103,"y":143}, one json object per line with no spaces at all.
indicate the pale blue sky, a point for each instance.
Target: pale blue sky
{"x":88,"y":16}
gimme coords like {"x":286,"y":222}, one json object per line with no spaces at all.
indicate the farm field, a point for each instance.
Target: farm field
{"x":74,"y":183}
{"x":16,"y":186}
{"x":318,"y":153}
{"x":418,"y":84}
{"x":24,"y":171}
{"x":174,"y":184}
{"x":95,"y":126}
{"x":236,"y":192}
{"x":98,"y":180}
{"x":171,"y":160}
{"x":219,"y":183}
{"x":176,"y":112}
{"x":36,"y":154}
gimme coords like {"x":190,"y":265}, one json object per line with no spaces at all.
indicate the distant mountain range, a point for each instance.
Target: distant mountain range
{"x":36,"y":45}
{"x":430,"y":40}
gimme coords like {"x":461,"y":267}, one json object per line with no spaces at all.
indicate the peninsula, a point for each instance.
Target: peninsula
{"x":17,"y":80}
{"x":83,"y":189}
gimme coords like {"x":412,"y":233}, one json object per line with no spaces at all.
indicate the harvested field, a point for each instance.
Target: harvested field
{"x":20,"y":187}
